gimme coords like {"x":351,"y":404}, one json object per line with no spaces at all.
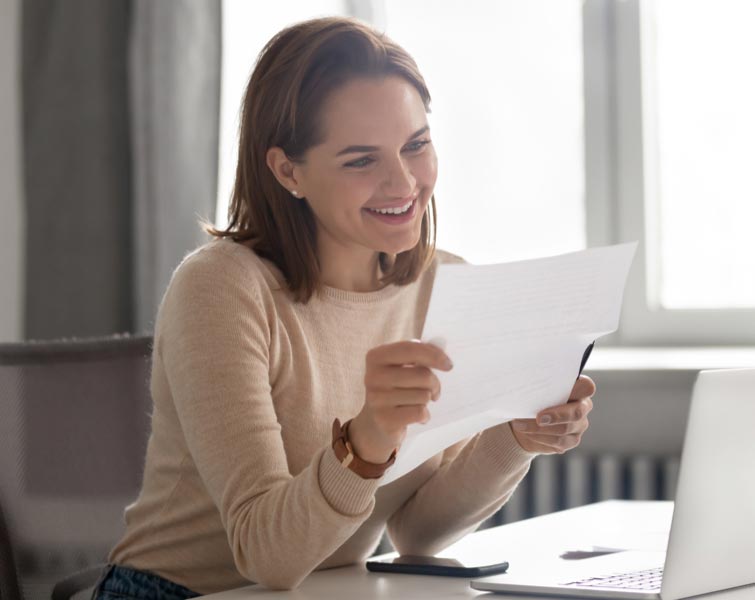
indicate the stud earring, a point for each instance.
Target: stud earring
{"x":295,"y":193}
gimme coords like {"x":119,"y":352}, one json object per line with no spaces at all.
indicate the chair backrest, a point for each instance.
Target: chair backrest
{"x":74,"y":424}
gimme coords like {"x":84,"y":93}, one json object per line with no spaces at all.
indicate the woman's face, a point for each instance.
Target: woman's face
{"x":376,"y":154}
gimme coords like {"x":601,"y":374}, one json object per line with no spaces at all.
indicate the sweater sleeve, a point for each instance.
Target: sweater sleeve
{"x":473,"y":481}
{"x":213,"y":338}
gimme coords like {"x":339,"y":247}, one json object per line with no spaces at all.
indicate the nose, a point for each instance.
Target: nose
{"x":399,"y":181}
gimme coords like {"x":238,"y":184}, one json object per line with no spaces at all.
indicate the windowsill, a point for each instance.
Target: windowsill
{"x":670,"y":358}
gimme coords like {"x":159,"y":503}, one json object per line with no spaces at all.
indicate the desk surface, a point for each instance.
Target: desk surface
{"x":534,"y":543}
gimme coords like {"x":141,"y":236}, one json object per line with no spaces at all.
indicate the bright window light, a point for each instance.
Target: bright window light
{"x":506,"y":80}
{"x":705,"y":127}
{"x":247,"y":27}
{"x":507,"y":122}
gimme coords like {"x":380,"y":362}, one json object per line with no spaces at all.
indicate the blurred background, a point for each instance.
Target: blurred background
{"x":559,"y":125}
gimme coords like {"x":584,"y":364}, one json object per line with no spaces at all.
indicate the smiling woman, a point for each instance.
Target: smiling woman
{"x":348,"y":105}
{"x":304,"y":311}
{"x":367,"y":198}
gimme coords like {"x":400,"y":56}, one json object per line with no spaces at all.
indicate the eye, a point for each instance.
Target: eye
{"x":360,"y":162}
{"x":416,"y":146}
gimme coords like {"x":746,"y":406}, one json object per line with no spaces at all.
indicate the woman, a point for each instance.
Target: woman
{"x":301,"y":315}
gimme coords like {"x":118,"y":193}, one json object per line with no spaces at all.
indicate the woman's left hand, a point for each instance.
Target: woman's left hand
{"x":558,"y":428}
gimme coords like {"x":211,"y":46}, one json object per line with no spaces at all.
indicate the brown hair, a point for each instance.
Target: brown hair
{"x":295,"y":72}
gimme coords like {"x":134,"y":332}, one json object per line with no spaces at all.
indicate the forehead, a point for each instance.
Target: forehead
{"x":368,"y":110}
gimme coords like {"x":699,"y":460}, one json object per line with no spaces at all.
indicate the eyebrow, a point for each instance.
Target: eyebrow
{"x":354,"y":149}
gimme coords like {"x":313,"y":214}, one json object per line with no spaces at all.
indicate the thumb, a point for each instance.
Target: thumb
{"x":582,"y":388}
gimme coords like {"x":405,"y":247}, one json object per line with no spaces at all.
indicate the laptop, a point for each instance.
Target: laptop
{"x":711,"y":545}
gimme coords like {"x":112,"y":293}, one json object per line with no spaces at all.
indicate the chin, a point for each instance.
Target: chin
{"x":398,"y":248}
{"x":404,"y":241}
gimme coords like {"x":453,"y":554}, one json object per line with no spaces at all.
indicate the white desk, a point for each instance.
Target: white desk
{"x":531,"y":544}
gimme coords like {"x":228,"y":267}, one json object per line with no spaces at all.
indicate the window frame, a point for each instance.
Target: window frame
{"x":621,"y":179}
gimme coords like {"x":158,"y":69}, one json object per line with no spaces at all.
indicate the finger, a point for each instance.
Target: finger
{"x":406,"y":415}
{"x":387,"y":378}
{"x":556,"y":444}
{"x":565,"y":413}
{"x":539,"y":448}
{"x":561,"y":429}
{"x":410,"y":352}
{"x":399,"y":397}
{"x":587,"y":404}
{"x":583,"y":388}
{"x":524,"y":425}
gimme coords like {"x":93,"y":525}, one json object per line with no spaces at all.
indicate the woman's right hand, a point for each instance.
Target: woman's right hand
{"x":398,"y":386}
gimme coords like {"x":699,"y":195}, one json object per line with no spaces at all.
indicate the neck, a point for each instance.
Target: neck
{"x":350,"y":270}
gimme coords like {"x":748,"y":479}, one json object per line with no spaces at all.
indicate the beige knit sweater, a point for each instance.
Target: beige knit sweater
{"x":240,"y":482}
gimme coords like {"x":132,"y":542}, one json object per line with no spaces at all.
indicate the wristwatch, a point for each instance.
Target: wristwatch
{"x":349,"y":459}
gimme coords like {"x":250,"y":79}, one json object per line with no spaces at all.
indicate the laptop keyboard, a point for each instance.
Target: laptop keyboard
{"x":648,"y":580}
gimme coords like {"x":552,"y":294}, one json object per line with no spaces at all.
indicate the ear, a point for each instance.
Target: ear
{"x":284,"y":170}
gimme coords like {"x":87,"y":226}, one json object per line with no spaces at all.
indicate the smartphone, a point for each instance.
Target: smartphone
{"x":432,"y":565}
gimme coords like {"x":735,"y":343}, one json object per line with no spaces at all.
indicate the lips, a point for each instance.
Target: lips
{"x":392,"y":218}
{"x":396,"y":204}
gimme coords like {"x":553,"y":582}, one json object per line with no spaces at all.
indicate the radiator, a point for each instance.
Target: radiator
{"x":557,"y":482}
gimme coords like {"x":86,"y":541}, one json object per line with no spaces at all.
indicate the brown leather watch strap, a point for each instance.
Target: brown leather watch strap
{"x":349,"y":459}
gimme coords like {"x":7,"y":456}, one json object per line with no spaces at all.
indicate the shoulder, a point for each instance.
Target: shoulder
{"x":223,"y":262}
{"x":426,"y":280}
{"x":220,"y":287}
{"x":442,"y":257}
{"x":226,"y":277}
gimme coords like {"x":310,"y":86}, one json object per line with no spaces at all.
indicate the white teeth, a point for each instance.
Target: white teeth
{"x":393,"y":211}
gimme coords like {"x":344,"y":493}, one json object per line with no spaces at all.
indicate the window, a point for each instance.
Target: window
{"x":507,"y":121}
{"x":700,"y":52}
{"x":682,"y":140}
{"x":561,"y":124}
{"x":247,"y":27}
{"x":509,"y":138}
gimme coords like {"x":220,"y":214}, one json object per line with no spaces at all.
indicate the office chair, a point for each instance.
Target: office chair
{"x":74,"y":424}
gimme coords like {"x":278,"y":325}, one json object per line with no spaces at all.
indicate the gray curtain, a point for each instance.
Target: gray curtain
{"x":175,"y":90}
{"x":120,"y":134}
{"x":77,"y":168}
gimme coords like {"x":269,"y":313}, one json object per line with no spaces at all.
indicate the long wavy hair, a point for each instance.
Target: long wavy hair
{"x":295,"y":72}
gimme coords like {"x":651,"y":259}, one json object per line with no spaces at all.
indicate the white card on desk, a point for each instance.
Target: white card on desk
{"x":516,"y":333}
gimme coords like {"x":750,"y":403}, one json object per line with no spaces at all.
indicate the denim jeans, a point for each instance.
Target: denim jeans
{"x":123,"y":583}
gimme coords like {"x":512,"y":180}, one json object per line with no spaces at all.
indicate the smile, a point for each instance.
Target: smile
{"x":397,"y":215}
{"x":394,"y":211}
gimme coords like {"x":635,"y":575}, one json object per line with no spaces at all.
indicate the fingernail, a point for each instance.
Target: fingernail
{"x":448,"y":364}
{"x":545,"y":419}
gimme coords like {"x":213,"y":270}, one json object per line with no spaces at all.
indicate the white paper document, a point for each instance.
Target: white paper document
{"x":516,"y":333}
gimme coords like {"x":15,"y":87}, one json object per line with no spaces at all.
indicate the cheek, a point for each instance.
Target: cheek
{"x":340,"y":193}
{"x":426,"y":169}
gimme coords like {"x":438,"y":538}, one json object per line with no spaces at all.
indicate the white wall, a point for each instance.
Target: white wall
{"x":11,"y":207}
